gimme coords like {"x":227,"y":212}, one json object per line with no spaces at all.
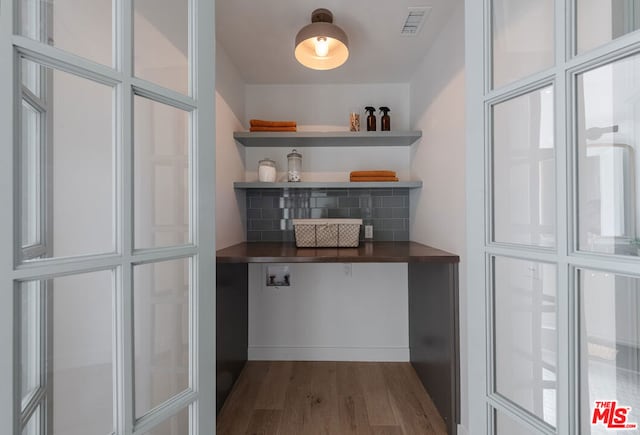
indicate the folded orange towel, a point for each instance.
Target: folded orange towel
{"x":356,"y":179}
{"x":262,"y":123}
{"x":273,"y":129}
{"x":373,"y":174}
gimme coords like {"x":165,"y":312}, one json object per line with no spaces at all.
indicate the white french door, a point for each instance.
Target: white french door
{"x":107,"y":241}
{"x":553,"y":126}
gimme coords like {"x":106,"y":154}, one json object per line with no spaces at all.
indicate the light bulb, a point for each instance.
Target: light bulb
{"x":322,"y":46}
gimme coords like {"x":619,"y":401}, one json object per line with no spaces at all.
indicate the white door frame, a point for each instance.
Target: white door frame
{"x":202,"y":107}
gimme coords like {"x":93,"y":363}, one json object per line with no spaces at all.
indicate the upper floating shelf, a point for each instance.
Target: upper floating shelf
{"x":332,"y":138}
{"x":414,"y":184}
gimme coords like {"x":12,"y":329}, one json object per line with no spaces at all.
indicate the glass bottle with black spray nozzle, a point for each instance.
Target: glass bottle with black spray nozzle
{"x":385,"y":119}
{"x":371,"y":119}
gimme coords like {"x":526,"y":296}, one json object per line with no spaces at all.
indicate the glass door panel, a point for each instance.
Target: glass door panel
{"x":68,"y":157}
{"x":161,"y":171}
{"x":82,"y":27}
{"x":505,"y":425}
{"x":32,"y":200}
{"x":601,"y":21}
{"x":176,"y":425}
{"x":523,"y":156}
{"x":526,"y":335}
{"x":161,"y":42}
{"x":608,"y":190}
{"x":161,"y":324}
{"x":522,"y":36}
{"x":31,"y":341}
{"x":609,"y":344}
{"x":77,"y":387}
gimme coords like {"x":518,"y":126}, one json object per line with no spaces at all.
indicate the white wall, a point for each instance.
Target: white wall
{"x":230,"y":156}
{"x":437,"y":108}
{"x":327,"y":108}
{"x":348,"y":312}
{"x":229,"y":83}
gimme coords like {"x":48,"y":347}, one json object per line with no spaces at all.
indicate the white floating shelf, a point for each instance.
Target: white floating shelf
{"x":329,"y":185}
{"x":333,"y":138}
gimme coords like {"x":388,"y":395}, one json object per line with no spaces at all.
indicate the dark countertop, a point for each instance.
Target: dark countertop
{"x":367,"y":252}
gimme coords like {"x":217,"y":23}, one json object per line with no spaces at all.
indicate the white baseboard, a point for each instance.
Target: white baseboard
{"x":462,"y":430}
{"x":389,"y":354}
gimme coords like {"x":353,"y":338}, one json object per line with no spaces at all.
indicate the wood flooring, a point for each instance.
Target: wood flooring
{"x":337,"y":398}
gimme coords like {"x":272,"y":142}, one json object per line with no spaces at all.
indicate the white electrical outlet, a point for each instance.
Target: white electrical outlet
{"x":368,"y":231}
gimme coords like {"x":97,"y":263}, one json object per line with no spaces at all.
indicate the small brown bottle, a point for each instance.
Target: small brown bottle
{"x":371,"y":119}
{"x":385,"y":120}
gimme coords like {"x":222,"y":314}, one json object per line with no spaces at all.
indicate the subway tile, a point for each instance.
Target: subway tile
{"x":346,"y":202}
{"x":359,"y":192}
{"x":393,"y":201}
{"x":383,"y":236}
{"x":271,"y":193}
{"x":254,"y":213}
{"x":337,"y":192}
{"x":289,"y":236}
{"x":382,"y":213}
{"x":254,"y":193}
{"x":381,"y":192}
{"x":377,"y":202}
{"x":331,"y":202}
{"x":318,"y":194}
{"x":263,"y":224}
{"x":272,"y":213}
{"x":261,"y":203}
{"x":273,"y":236}
{"x":319,"y":213}
{"x":393,"y":224}
{"x":366,"y":202}
{"x":338,"y":212}
{"x":302,"y":213}
{"x":400,"y":192}
{"x":355,"y":213}
{"x":401,"y":236}
{"x":400,"y":212}
{"x":254,"y":236}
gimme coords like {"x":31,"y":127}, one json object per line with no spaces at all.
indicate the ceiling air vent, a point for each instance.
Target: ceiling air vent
{"x":415,"y":19}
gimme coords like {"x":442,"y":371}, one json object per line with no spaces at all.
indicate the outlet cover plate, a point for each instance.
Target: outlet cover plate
{"x":368,"y":231}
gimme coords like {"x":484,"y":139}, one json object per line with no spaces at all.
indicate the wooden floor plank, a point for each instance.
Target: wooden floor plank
{"x":323,"y":400}
{"x":352,"y":408}
{"x":329,"y":398}
{"x":238,"y":408}
{"x":376,"y":395}
{"x":387,"y":430}
{"x":274,"y":387}
{"x":264,"y":422}
{"x":413,"y":418}
{"x":413,"y":383}
{"x":296,"y":410}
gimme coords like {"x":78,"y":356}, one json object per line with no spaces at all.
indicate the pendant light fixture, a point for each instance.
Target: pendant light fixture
{"x":322,"y":45}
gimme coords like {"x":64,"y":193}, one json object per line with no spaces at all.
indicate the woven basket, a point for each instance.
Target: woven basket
{"x":327,"y":233}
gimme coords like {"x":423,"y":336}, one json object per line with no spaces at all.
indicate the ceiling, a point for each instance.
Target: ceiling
{"x":258,"y":37}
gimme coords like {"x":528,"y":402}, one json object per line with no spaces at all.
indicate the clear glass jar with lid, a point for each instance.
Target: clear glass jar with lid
{"x":267,"y":170}
{"x":294,"y":166}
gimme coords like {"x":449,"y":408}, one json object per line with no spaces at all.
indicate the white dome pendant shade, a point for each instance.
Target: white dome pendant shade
{"x":322,"y":45}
